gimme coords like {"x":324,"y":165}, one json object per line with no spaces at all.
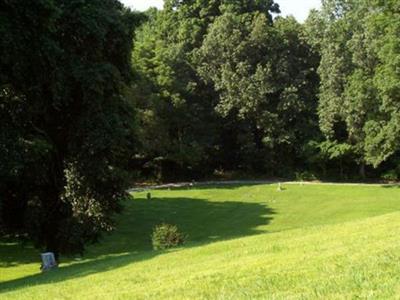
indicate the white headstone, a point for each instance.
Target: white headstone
{"x":48,"y":261}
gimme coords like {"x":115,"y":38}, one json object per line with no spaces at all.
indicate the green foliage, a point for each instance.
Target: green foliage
{"x":335,"y":150}
{"x":223,"y":86}
{"x":359,"y":87}
{"x":390,"y":176}
{"x":264,"y":74}
{"x":305,"y":176}
{"x":174,"y":108}
{"x":67,"y":127}
{"x":166,"y":236}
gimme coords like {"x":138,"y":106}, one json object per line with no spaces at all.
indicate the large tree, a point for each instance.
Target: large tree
{"x":174,"y":108}
{"x":66,"y":127}
{"x":265,"y":75}
{"x":359,"y":43}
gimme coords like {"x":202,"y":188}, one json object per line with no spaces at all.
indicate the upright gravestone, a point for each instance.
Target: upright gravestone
{"x":48,"y":261}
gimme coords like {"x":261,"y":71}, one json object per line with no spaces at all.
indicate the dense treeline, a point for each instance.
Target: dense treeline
{"x":359,"y":103}
{"x":225,"y":86}
{"x":88,"y":98}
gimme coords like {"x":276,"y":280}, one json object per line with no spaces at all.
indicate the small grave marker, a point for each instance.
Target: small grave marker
{"x":48,"y":261}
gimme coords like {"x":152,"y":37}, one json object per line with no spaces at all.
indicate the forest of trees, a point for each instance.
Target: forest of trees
{"x":224,"y":86}
{"x":94,"y":97}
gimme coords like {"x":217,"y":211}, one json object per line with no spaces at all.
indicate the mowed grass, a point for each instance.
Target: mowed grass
{"x":245,"y":242}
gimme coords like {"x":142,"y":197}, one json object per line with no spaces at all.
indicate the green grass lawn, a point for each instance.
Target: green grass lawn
{"x":245,"y":242}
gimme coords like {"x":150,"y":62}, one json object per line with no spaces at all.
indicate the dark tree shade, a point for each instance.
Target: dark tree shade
{"x":66,"y":127}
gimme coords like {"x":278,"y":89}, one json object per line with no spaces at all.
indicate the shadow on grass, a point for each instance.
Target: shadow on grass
{"x":14,"y":253}
{"x":76,"y":270}
{"x":202,"y":220}
{"x":391,"y":186}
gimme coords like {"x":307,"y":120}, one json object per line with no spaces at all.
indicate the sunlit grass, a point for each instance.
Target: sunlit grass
{"x":311,"y":241}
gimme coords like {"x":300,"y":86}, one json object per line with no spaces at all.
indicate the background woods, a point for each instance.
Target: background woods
{"x":224,"y":85}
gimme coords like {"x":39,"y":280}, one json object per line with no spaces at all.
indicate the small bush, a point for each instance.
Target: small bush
{"x":390,"y":176}
{"x":166,"y":236}
{"x":305,"y":176}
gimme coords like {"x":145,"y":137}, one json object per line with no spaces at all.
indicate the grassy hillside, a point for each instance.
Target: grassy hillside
{"x":308,"y":241}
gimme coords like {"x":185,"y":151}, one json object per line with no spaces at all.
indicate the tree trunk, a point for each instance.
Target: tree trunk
{"x":55,"y":207}
{"x":362,"y":170}
{"x":52,"y":224}
{"x":341,"y":169}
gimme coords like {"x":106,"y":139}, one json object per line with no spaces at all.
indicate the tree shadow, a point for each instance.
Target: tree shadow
{"x":11,"y":250}
{"x":202,"y":220}
{"x":391,"y":186}
{"x":76,"y":270}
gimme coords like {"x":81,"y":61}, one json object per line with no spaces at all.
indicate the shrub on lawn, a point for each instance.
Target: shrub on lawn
{"x":305,"y":176}
{"x":166,"y":236}
{"x":390,"y":176}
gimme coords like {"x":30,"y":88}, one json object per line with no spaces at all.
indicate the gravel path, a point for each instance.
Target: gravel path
{"x":250,"y":182}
